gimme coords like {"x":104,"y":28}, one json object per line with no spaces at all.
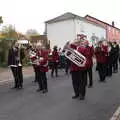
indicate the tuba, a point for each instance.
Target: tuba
{"x":74,"y":56}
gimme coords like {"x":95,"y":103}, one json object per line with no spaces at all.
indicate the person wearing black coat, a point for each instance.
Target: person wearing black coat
{"x":110,"y":59}
{"x":15,"y":64}
{"x":115,"y":56}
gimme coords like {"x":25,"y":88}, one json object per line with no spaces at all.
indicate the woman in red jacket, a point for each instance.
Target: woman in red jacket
{"x":55,"y":61}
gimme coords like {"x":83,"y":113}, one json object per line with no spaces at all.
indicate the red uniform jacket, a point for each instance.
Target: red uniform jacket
{"x":88,"y":53}
{"x":55,"y":56}
{"x":43,"y":54}
{"x":101,"y":54}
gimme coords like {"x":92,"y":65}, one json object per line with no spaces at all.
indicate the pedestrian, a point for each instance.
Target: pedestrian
{"x":15,"y":58}
{"x":116,"y":56}
{"x":110,"y":59}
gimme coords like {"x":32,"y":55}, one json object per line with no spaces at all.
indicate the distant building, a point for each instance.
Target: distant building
{"x":68,"y":27}
{"x":112,"y":32}
{"x":40,"y":38}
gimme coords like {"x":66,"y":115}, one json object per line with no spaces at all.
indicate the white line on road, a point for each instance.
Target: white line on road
{"x":116,"y":115}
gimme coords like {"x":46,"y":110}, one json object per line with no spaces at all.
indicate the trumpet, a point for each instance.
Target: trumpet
{"x":75,"y":57}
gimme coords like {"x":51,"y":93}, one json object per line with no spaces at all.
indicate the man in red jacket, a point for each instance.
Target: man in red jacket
{"x":42,"y":69}
{"x":75,"y":74}
{"x":86,"y":52}
{"x":79,"y":74}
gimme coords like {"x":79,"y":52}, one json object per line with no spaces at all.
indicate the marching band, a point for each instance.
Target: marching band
{"x":79,"y":56}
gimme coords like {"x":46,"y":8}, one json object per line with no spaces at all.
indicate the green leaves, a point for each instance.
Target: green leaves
{"x":1,"y":20}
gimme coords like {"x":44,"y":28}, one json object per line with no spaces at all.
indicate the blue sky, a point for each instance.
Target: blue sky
{"x":27,"y":14}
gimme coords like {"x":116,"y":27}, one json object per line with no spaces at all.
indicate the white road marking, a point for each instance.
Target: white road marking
{"x":116,"y":115}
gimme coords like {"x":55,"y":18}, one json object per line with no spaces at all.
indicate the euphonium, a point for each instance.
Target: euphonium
{"x":74,"y":56}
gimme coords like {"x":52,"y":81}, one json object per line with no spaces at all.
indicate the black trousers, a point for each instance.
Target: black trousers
{"x":18,"y":76}
{"x":83,"y":82}
{"x":76,"y":81}
{"x":109,"y":69}
{"x":79,"y":81}
{"x":54,"y":69}
{"x":35,"y":70}
{"x":115,"y":65}
{"x":102,"y":71}
{"x":90,"y":75}
{"x":42,"y":80}
{"x":67,"y":65}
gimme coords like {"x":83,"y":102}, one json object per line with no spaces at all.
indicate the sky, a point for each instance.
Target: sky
{"x":31,"y":14}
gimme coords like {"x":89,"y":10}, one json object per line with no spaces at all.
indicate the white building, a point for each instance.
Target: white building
{"x":67,"y":26}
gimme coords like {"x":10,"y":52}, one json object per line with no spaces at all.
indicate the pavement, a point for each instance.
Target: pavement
{"x":6,"y":74}
{"x":101,"y":102}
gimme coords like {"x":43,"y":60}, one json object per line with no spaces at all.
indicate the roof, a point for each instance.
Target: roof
{"x":38,"y":37}
{"x":62,"y":17}
{"x":68,"y":16}
{"x":101,"y":21}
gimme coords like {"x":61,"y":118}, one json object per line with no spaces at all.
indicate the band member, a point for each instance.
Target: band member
{"x":116,"y":56}
{"x":101,"y":58}
{"x":110,"y":59}
{"x":75,"y":74}
{"x":90,"y":49}
{"x":86,"y":52}
{"x":79,"y":74}
{"x":55,"y":61}
{"x":15,"y":63}
{"x":29,"y":51}
{"x":42,"y":68}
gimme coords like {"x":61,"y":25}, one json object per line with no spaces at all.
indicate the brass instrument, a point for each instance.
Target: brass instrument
{"x":33,"y":57}
{"x":74,"y":56}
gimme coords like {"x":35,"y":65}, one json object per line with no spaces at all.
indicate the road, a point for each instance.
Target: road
{"x":101,"y":100}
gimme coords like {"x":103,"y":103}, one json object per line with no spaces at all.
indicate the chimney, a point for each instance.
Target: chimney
{"x":113,"y":23}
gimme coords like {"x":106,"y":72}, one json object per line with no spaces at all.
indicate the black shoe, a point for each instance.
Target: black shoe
{"x":13,"y":87}
{"x":75,"y":97}
{"x":90,"y":86}
{"x":82,"y":98}
{"x":20,"y":87}
{"x":45,"y":91}
{"x":52,"y":76}
{"x":34,"y":81}
{"x":38,"y":90}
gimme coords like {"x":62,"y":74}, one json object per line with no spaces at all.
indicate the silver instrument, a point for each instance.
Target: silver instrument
{"x":34,"y":58}
{"x":74,"y":56}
